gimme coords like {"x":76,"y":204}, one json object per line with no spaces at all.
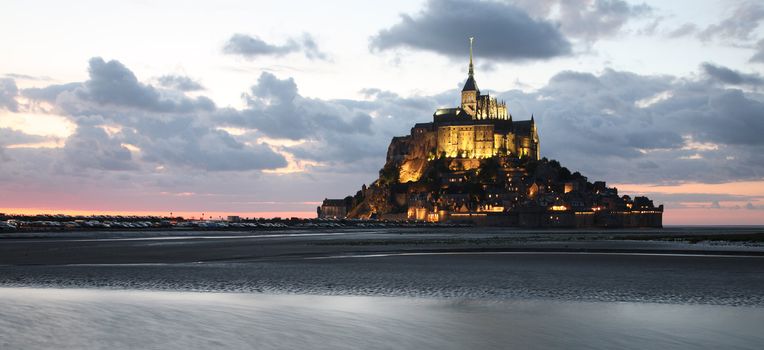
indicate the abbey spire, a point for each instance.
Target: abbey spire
{"x":472,"y":71}
{"x":470,"y":85}
{"x":470,"y":92}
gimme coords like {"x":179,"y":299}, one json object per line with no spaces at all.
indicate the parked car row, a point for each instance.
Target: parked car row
{"x":229,"y":225}
{"x":81,"y":224}
{"x":129,"y":223}
{"x":7,"y":226}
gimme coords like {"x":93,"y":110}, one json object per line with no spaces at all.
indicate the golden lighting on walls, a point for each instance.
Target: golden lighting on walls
{"x":411,"y":171}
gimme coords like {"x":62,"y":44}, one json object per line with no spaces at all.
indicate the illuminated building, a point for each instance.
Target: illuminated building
{"x":481,"y":127}
{"x":333,"y":208}
{"x":474,"y":164}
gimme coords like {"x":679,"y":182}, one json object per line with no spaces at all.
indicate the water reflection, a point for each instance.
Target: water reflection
{"x":76,"y":319}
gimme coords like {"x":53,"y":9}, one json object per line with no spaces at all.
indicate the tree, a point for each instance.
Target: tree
{"x":488,"y":170}
{"x":389,"y":174}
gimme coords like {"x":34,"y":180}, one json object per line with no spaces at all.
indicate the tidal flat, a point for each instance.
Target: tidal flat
{"x":387,"y":288}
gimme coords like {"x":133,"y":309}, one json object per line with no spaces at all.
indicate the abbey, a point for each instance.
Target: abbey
{"x":473,"y":164}
{"x":481,"y":127}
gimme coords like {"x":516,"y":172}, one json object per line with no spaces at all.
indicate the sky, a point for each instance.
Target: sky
{"x":262,"y":108}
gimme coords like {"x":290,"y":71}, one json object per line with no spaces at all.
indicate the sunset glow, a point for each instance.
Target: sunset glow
{"x":288,"y":110}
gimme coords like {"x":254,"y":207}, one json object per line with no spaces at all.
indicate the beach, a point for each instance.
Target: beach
{"x":415,"y":288}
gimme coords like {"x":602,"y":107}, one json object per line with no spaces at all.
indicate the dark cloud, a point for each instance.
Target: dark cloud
{"x":626,"y":127}
{"x":8,"y":93}
{"x":589,"y":20}
{"x":343,"y":135}
{"x":91,"y":147}
{"x":683,"y":30}
{"x":180,"y":83}
{"x":615,"y":126}
{"x":653,"y":139}
{"x":732,"y":77}
{"x":49,"y":93}
{"x":739,"y":25}
{"x":14,"y":137}
{"x":592,"y":20}
{"x":730,"y":118}
{"x":165,"y":127}
{"x":502,"y":31}
{"x":758,"y":57}
{"x":11,"y":137}
{"x":252,"y":46}
{"x":111,"y":83}
{"x":207,"y":149}
{"x":277,"y":110}
{"x":310,"y":48}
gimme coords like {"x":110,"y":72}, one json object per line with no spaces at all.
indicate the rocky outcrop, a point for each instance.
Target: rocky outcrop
{"x":501,"y":190}
{"x":410,"y":154}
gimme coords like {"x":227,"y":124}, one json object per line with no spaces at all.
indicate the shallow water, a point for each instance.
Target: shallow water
{"x":669,"y":279}
{"x":378,"y":290}
{"x":34,"y":318}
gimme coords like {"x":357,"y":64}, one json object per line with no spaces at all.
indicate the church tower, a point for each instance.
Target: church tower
{"x":470,"y":92}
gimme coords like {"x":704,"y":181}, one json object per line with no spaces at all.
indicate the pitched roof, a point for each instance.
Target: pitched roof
{"x":470,"y":84}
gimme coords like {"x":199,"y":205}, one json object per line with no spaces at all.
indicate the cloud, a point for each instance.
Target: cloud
{"x":90,"y":147}
{"x":700,"y":198}
{"x":592,"y":20}
{"x":739,"y":25}
{"x":614,"y":125}
{"x":503,"y":32}
{"x":277,"y":110}
{"x":180,"y":83}
{"x":14,"y":137}
{"x":49,"y":93}
{"x":731,"y":118}
{"x":611,"y":125}
{"x":589,"y":20}
{"x":11,"y":137}
{"x":147,"y":127}
{"x":8,"y":93}
{"x":601,"y":125}
{"x":26,"y":77}
{"x":683,"y":30}
{"x":758,"y":57}
{"x":251,"y":47}
{"x":111,"y":83}
{"x":728,"y":76}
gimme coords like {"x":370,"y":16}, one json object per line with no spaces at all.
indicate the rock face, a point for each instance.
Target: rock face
{"x":378,"y":199}
{"x":410,"y":154}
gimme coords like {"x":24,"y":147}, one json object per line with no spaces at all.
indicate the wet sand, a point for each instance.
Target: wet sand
{"x":487,"y":264}
{"x":383,"y":289}
{"x":99,"y":319}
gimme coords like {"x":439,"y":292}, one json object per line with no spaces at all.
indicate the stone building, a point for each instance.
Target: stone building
{"x":480,"y":128}
{"x":474,"y":164}
{"x":334,"y":208}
